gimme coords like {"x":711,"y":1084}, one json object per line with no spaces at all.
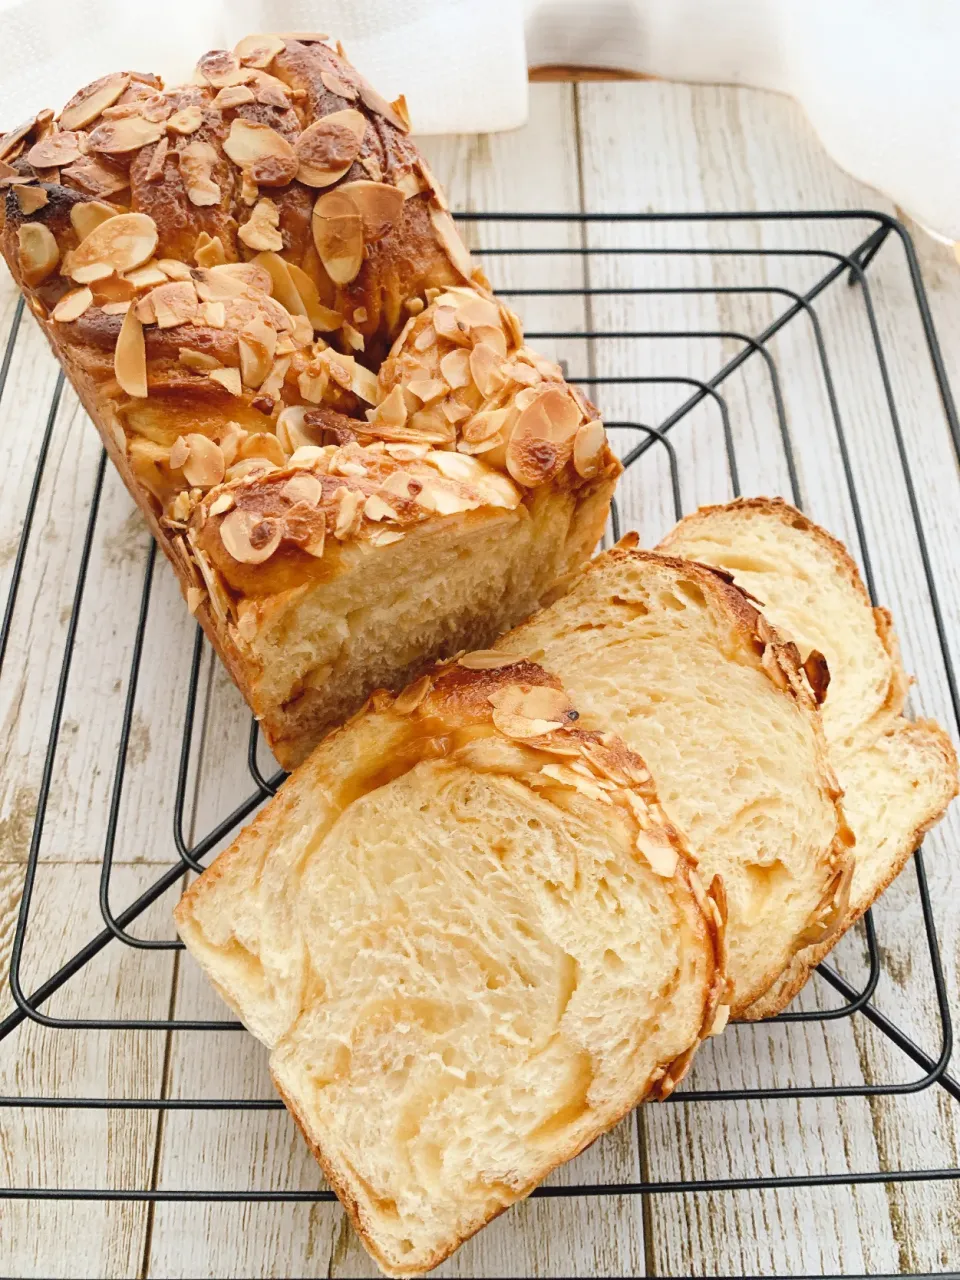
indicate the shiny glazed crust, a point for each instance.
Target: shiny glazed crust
{"x":255,"y":286}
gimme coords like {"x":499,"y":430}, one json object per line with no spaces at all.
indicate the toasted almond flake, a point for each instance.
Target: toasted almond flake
{"x":303,"y":488}
{"x":85,"y":105}
{"x":54,"y":150}
{"x":659,"y":853}
{"x":38,"y":252}
{"x":455,"y":369}
{"x":406,"y":452}
{"x":257,"y":342}
{"x":349,"y":503}
{"x":376,"y":509}
{"x":224,"y":502}
{"x":567,"y":777}
{"x":542,"y":438}
{"x":187,"y":120}
{"x":115,"y":308}
{"x":221,"y":68}
{"x":485,"y":369}
{"x":353,"y":339}
{"x":588,"y":448}
{"x":363,"y":383}
{"x":231,"y":438}
{"x":202,"y":462}
{"x":235,"y":95}
{"x":310,"y":455}
{"x":195,"y":598}
{"x":147,"y":276}
{"x":269,"y":157}
{"x":72,"y":305}
{"x":280,"y":272}
{"x":412,"y":696}
{"x":212,"y":314}
{"x":484,"y":426}
{"x":130,"y":133}
{"x":322,"y":319}
{"x":290,"y":428}
{"x":197,"y":160}
{"x":261,"y":230}
{"x":450,"y":241}
{"x":229,"y":379}
{"x":121,"y":242}
{"x":30,"y":198}
{"x":431,"y":184}
{"x":174,"y":303}
{"x":453,"y":411}
{"x":338,"y":236}
{"x":376,"y":102}
{"x":426,"y":338}
{"x":391,"y":412}
{"x":493,"y":337}
{"x":259,"y":50}
{"x":197,"y":361}
{"x":249,"y":537}
{"x":130,"y":357}
{"x":262,"y":444}
{"x":720,"y":1019}
{"x":174,"y":269}
{"x":379,"y":205}
{"x":88,"y":216}
{"x":385,"y":537}
{"x":515,"y":726}
{"x":455,"y":466}
{"x":488,"y":660}
{"x":445,"y":499}
{"x":426,"y":389}
{"x":408,"y":184}
{"x":272,"y":384}
{"x":327,"y":148}
{"x":336,"y":84}
{"x":448,"y":326}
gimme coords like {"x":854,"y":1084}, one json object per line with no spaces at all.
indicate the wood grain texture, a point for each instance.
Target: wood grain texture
{"x":624,"y":146}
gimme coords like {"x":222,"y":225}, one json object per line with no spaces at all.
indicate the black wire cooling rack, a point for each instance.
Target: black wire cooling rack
{"x":687,"y":330}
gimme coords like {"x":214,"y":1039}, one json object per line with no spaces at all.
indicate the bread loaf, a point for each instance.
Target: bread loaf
{"x":897,"y":775}
{"x":335,"y":430}
{"x":680,"y":664}
{"x":471,"y":941}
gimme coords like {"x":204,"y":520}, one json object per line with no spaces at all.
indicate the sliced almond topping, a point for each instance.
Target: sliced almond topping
{"x":426,"y":338}
{"x":450,"y":241}
{"x":484,"y":426}
{"x":200,"y":459}
{"x":197,"y":361}
{"x":488,"y":660}
{"x":426,"y":389}
{"x":378,"y":204}
{"x":72,"y":305}
{"x":445,"y":499}
{"x":280,"y":272}
{"x":196,"y":166}
{"x":259,"y":51}
{"x":412,"y":696}
{"x":290,"y":428}
{"x":229,"y":379}
{"x":248,"y":537}
{"x":350,"y":502}
{"x":173,"y":269}
{"x":455,"y":466}
{"x":129,"y":133}
{"x":327,"y":148}
{"x":174,"y":303}
{"x":85,"y":105}
{"x":658,"y":851}
{"x":376,"y":509}
{"x":485,"y":369}
{"x":130,"y":356}
{"x":257,"y":341}
{"x":588,"y":449}
{"x":115,"y":308}
{"x":269,"y":157}
{"x":448,"y":326}
{"x":147,"y":276}
{"x":220,"y":69}
{"x":212,"y":314}
{"x":376,"y":102}
{"x":303,"y":488}
{"x":543,"y":436}
{"x":455,"y":368}
{"x":338,"y":236}
{"x":261,"y":230}
{"x":384,"y":537}
{"x":334,"y":84}
{"x":432,"y":185}
{"x":569,"y":777}
{"x":225,"y":502}
{"x":87,"y":217}
{"x":391,"y":412}
{"x":492,"y":336}
{"x":121,"y":243}
{"x":54,"y":150}
{"x":262,"y":444}
{"x":515,"y":710}
{"x":235,"y":95}
{"x":31,"y":198}
{"x":322,"y":319}
{"x":208,"y":251}
{"x":187,"y":120}
{"x":38,"y":252}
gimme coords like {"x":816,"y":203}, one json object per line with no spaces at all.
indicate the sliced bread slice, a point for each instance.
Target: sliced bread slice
{"x":898,"y":775}
{"x":471,"y":940}
{"x":679,"y":663}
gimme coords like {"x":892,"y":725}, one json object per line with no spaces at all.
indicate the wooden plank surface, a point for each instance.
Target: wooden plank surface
{"x":604,"y":146}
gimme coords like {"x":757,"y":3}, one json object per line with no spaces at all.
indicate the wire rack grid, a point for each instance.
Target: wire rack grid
{"x":685,"y":329}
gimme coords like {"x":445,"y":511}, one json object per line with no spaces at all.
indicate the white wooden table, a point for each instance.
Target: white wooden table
{"x":624,"y":146}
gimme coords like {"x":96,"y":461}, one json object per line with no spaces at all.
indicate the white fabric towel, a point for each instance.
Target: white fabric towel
{"x":876,"y":77}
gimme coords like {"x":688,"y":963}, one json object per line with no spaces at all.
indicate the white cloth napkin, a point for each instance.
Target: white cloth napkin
{"x":877,"y":77}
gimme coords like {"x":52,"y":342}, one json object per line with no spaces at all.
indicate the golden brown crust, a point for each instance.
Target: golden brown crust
{"x":223,"y":268}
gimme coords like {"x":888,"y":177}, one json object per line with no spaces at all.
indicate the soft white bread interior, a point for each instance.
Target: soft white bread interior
{"x":681,"y":665}
{"x":898,"y":776}
{"x":471,"y":940}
